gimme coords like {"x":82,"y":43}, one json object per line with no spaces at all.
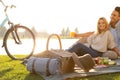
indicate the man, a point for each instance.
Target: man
{"x":115,"y":25}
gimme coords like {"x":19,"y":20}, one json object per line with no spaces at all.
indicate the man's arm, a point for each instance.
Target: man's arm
{"x":116,"y":50}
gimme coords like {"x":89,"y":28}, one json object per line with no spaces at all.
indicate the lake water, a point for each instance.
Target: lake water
{"x":41,"y":45}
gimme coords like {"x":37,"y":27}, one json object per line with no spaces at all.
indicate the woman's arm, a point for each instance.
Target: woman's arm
{"x":87,"y":34}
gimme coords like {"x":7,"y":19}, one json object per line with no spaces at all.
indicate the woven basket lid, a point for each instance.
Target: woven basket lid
{"x":85,"y":62}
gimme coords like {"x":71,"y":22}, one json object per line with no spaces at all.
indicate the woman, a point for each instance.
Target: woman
{"x":98,"y":43}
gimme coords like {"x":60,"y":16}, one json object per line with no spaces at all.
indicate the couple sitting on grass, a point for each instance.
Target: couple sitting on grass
{"x":104,"y":42}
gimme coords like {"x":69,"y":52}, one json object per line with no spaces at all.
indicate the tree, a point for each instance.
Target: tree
{"x":2,"y":31}
{"x":63,"y":32}
{"x":76,"y":30}
{"x":34,"y":30}
{"x":67,"y":31}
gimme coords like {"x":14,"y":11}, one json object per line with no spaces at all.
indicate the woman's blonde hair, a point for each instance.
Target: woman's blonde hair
{"x":106,"y":26}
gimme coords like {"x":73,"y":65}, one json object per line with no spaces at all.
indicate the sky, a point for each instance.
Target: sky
{"x":54,"y":15}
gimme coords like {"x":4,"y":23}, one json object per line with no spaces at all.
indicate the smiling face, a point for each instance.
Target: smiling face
{"x":102,"y":25}
{"x":115,"y":17}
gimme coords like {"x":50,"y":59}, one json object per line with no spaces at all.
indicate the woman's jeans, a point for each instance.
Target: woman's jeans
{"x":80,"y":49}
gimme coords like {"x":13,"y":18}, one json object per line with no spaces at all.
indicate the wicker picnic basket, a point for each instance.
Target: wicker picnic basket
{"x":65,"y":56}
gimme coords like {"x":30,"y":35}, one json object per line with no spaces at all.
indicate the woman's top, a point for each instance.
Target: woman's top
{"x":102,"y":42}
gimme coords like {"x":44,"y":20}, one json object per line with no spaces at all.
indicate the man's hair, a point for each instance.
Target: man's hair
{"x":117,"y":9}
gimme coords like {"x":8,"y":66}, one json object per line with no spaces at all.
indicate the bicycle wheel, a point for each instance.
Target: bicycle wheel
{"x":23,"y":49}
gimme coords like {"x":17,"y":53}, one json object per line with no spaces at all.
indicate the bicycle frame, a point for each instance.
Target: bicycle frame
{"x":3,"y":22}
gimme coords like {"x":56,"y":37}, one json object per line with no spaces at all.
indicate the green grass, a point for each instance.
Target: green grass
{"x":13,"y":70}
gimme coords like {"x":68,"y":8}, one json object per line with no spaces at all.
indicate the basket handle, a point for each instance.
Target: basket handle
{"x":58,"y":37}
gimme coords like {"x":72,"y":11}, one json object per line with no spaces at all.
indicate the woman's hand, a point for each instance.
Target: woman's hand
{"x":76,"y":35}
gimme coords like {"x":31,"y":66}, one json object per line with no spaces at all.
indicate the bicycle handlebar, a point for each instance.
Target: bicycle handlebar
{"x":5,"y":9}
{"x":11,"y":6}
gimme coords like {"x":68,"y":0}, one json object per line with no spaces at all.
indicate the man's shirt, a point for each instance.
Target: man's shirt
{"x":116,"y":33}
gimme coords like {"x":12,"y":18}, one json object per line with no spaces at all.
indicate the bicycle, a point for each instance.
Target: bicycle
{"x":16,"y":38}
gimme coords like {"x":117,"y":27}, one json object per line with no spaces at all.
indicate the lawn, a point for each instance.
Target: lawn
{"x":13,"y":70}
